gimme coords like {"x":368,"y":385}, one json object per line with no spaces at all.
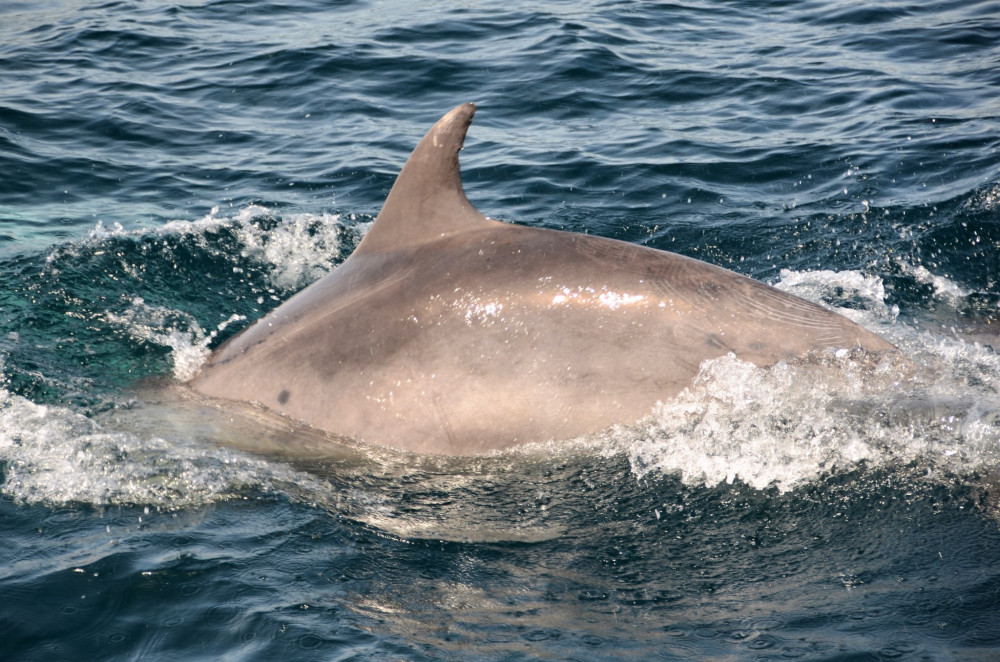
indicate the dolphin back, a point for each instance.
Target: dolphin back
{"x":447,"y":332}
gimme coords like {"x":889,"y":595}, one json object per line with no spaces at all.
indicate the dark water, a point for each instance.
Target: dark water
{"x":170,"y":171}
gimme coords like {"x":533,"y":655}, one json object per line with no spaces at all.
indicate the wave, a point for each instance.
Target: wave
{"x":784,"y":427}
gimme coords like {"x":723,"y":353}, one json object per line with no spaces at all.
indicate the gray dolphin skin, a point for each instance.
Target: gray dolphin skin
{"x":448,"y":332}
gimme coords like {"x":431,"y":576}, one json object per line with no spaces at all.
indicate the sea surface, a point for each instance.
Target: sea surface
{"x":170,"y":171}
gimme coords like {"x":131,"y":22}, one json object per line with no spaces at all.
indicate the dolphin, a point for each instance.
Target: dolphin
{"x":448,"y":332}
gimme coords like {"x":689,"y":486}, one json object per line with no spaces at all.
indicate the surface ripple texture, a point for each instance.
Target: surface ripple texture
{"x":171,"y":171}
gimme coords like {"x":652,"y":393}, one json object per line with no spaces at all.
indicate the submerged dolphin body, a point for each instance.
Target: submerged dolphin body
{"x":448,"y":332}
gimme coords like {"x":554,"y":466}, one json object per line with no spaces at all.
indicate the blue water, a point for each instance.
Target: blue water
{"x":171,"y":171}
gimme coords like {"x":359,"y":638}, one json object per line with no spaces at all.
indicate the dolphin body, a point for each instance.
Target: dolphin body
{"x":448,"y":332}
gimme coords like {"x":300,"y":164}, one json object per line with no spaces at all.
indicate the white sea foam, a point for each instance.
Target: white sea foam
{"x":174,"y":329}
{"x":298,"y":249}
{"x":945,"y":289}
{"x":789,"y":424}
{"x":55,"y":455}
{"x":937,"y":404}
{"x":827,"y":287}
{"x":763,"y":427}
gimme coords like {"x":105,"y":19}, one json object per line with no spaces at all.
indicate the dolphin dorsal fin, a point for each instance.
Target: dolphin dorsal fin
{"x":427,"y":201}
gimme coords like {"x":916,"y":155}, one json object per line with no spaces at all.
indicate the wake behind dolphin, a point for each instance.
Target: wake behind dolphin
{"x":449,"y":332}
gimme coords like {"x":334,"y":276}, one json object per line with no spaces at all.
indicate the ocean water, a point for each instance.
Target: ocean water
{"x":171,"y":171}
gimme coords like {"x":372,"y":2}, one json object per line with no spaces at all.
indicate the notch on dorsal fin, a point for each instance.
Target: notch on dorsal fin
{"x":427,"y":201}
